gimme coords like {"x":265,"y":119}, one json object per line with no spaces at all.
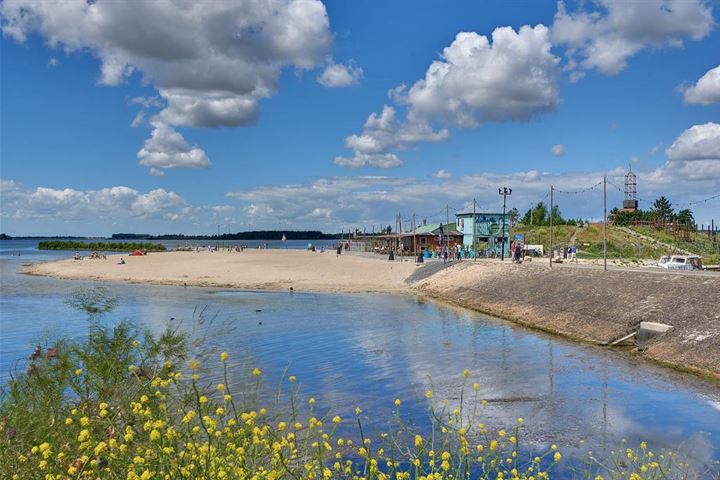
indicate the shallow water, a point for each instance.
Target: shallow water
{"x":367,"y":349}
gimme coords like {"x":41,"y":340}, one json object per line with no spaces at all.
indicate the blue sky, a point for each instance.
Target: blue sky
{"x":610,"y":84}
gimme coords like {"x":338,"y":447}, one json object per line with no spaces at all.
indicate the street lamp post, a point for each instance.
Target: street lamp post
{"x":504,"y":191}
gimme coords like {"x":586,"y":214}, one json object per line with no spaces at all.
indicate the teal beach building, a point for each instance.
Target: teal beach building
{"x":488,"y":232}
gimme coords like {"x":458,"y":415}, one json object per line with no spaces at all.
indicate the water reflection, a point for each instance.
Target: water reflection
{"x":367,"y":350}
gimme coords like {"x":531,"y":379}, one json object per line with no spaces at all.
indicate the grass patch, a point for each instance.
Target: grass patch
{"x":589,"y":241}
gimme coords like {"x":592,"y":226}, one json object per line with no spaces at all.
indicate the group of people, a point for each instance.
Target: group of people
{"x":93,"y":255}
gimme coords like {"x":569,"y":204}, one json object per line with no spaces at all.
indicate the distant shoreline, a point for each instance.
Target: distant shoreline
{"x":256,"y":235}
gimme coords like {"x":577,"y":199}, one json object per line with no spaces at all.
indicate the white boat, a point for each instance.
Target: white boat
{"x":284,"y":239}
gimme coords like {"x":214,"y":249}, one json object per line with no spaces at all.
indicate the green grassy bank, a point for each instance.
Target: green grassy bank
{"x":620,"y":243}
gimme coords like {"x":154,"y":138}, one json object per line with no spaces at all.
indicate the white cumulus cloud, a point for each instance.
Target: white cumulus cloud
{"x":365,"y":201}
{"x":212,"y":62}
{"x":558,"y":150}
{"x":606,"y":36}
{"x":378,"y":160}
{"x":707,"y":89}
{"x":166,"y":148}
{"x":695,"y":154}
{"x":69,"y":211}
{"x":442,"y":174}
{"x":105,"y":203}
{"x":512,"y":78}
{"x":338,"y":75}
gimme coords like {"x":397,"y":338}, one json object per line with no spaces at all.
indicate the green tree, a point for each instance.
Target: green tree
{"x":537,"y":215}
{"x":557,"y":218}
{"x":662,"y":209}
{"x":685,"y":217}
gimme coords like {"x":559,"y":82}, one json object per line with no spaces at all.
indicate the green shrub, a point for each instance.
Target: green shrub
{"x":99,"y":246}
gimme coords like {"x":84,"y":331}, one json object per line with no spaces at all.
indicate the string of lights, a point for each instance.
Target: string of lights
{"x":704,"y":200}
{"x":577,"y":192}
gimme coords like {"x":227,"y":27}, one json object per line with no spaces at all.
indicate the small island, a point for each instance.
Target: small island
{"x":99,"y":246}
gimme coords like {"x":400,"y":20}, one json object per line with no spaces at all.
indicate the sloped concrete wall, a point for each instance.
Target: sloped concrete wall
{"x":594,"y":306}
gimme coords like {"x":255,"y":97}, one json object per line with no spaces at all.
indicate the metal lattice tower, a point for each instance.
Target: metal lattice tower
{"x":630,"y":201}
{"x":630,"y":186}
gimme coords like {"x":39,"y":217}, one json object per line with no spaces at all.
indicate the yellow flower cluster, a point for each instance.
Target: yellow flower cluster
{"x":177,"y":429}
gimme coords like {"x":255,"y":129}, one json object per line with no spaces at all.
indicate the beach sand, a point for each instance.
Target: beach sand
{"x":251,"y":269}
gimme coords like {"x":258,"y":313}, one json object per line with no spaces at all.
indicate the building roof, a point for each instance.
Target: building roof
{"x":479,"y":214}
{"x":434,"y":229}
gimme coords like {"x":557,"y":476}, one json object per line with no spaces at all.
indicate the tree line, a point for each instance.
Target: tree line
{"x":540,"y":215}
{"x":661,"y":211}
{"x":99,"y":246}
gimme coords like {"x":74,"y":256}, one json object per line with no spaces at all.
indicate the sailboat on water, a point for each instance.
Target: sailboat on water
{"x":284,"y":239}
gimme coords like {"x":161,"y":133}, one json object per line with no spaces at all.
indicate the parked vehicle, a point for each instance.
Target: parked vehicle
{"x":534,"y":250}
{"x":680,"y":262}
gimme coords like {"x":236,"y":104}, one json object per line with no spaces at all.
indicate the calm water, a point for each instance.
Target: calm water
{"x":366,"y":350}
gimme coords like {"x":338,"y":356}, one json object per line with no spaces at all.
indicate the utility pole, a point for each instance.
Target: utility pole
{"x":474,"y":227}
{"x":605,"y":223}
{"x":504,"y":191}
{"x":551,"y":219}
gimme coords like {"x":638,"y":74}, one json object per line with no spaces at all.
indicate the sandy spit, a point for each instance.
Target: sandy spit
{"x":251,"y":269}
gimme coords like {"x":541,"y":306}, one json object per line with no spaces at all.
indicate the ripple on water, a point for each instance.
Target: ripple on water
{"x":366,"y":350}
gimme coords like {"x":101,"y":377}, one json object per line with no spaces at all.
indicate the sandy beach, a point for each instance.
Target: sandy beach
{"x":251,"y":269}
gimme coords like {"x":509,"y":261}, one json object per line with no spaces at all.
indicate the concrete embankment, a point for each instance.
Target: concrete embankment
{"x":594,"y":306}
